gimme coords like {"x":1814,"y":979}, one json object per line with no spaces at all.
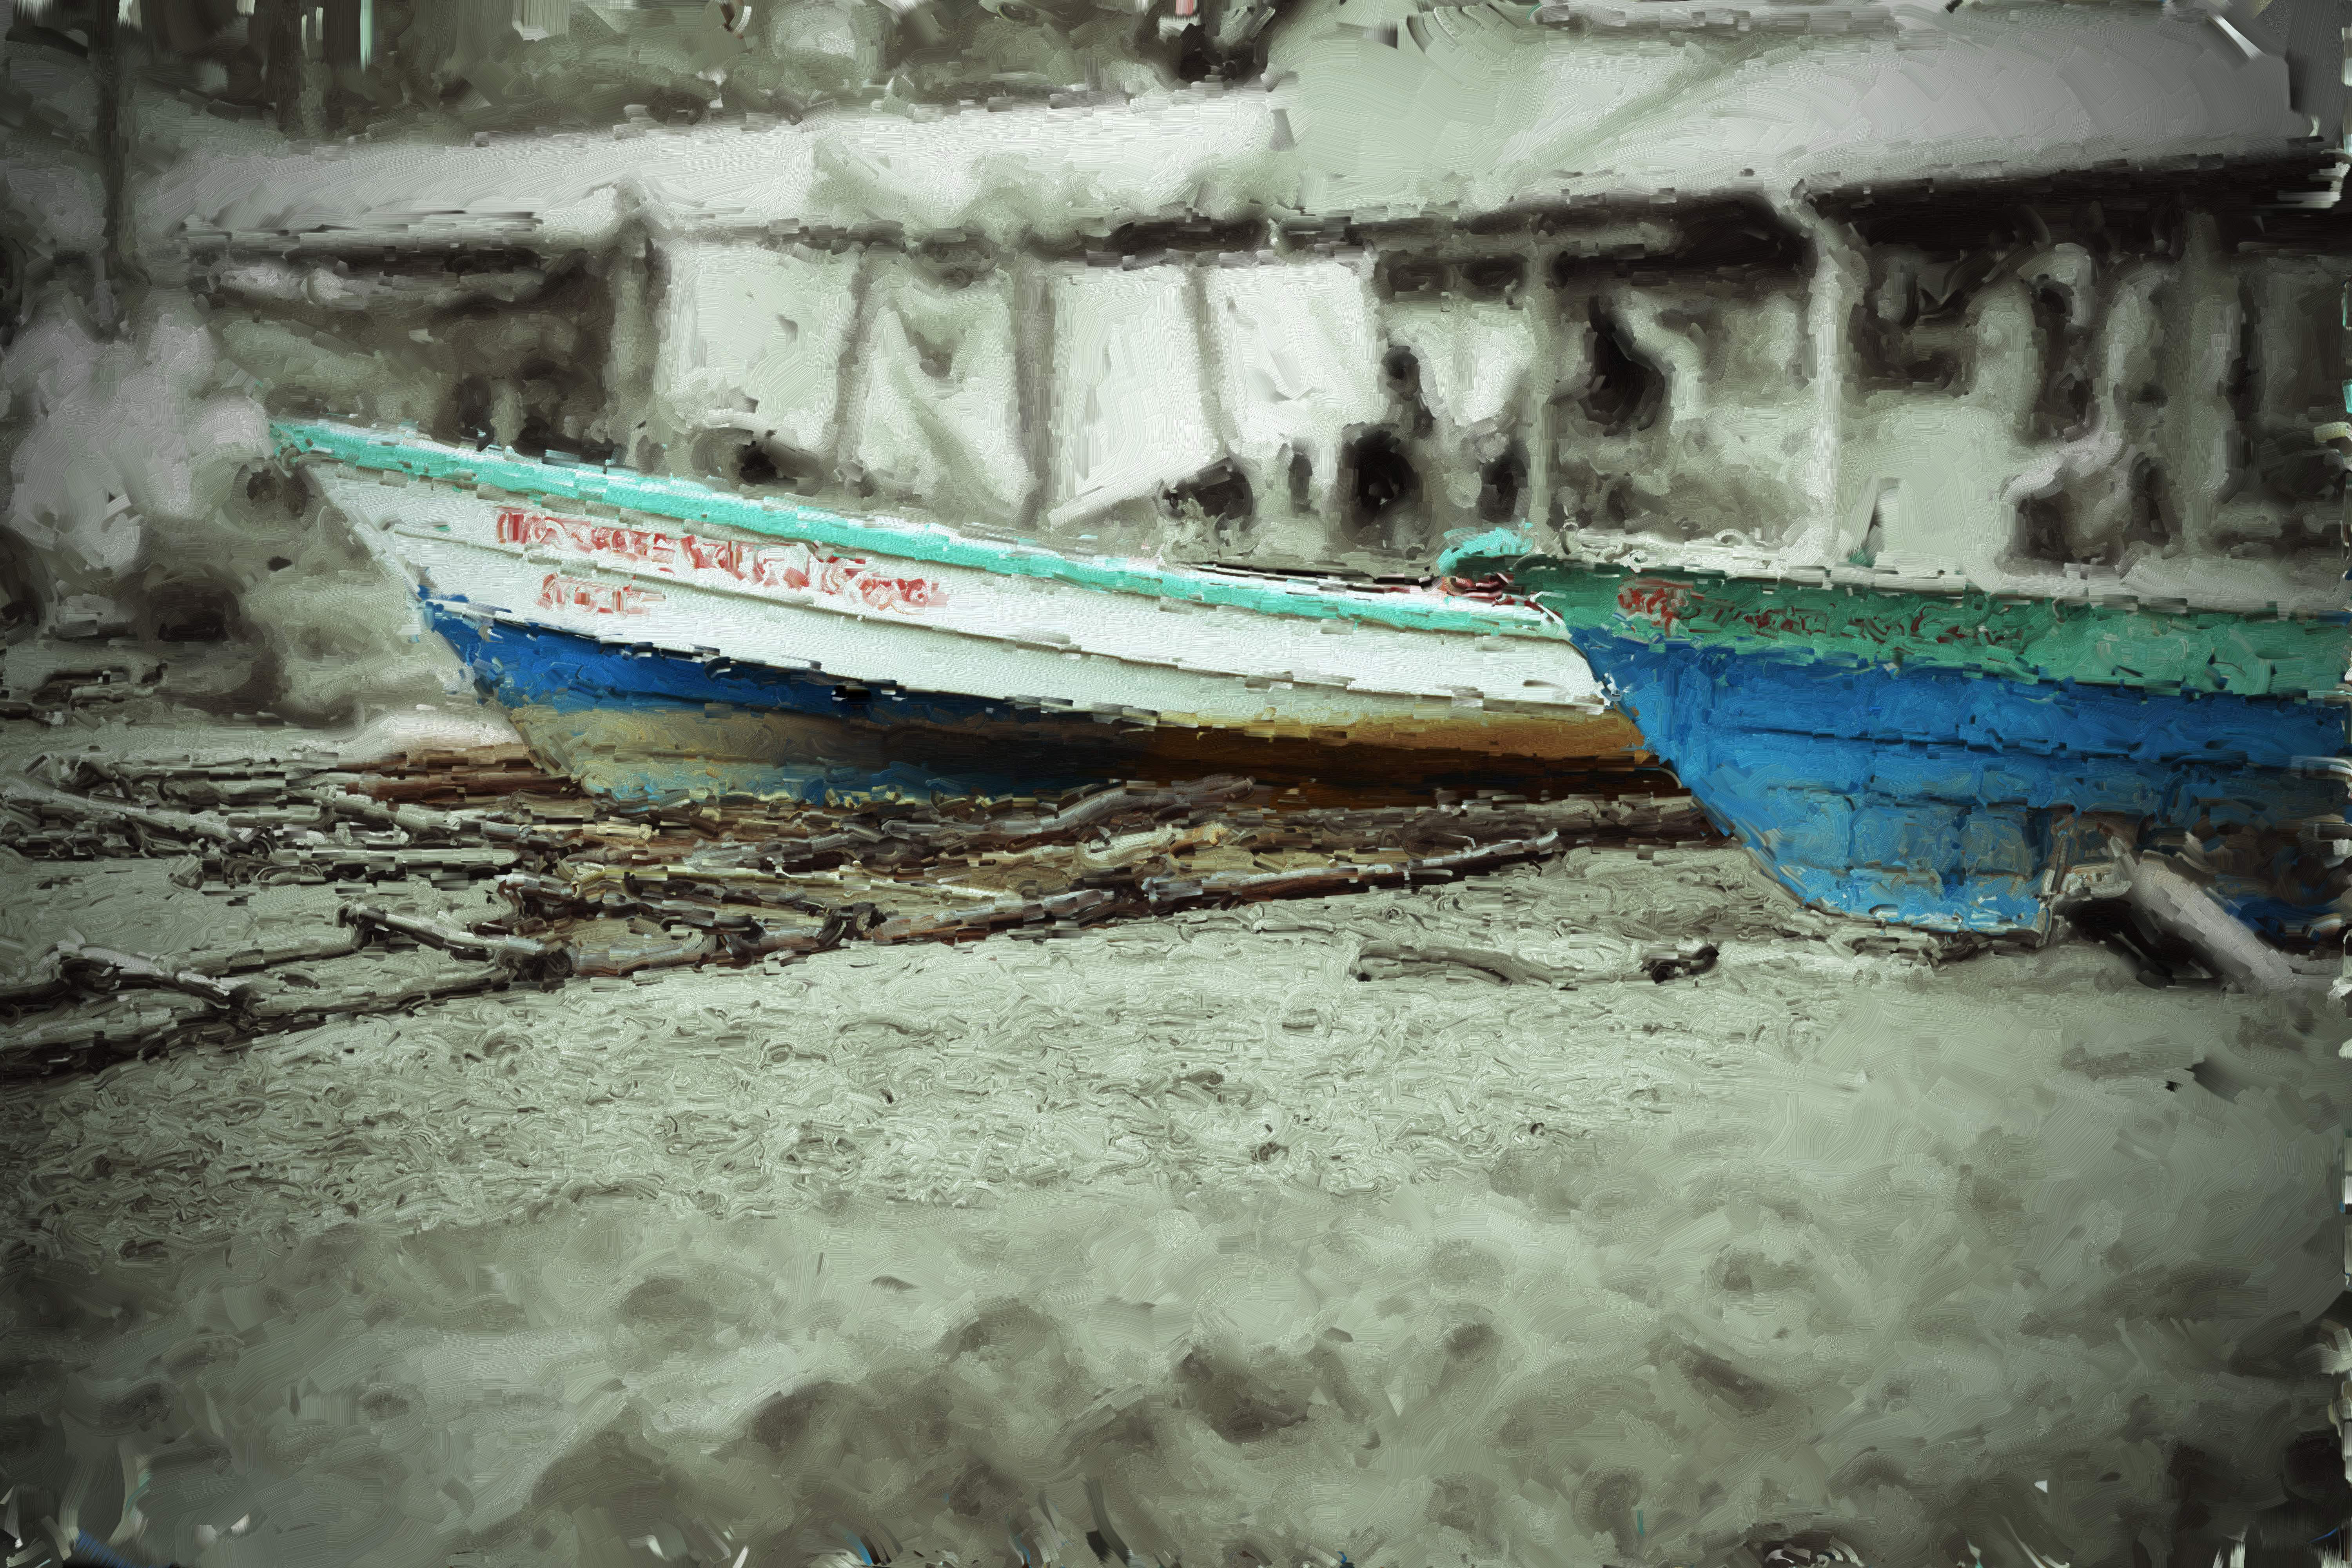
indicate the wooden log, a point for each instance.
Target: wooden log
{"x":433,"y":933}
{"x":286,"y":1007}
{"x":42,"y":798}
{"x":351,"y":858}
{"x":1391,"y":961}
{"x":103,"y":969}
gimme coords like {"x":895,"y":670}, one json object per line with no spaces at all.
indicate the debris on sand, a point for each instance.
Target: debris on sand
{"x":594,"y":888}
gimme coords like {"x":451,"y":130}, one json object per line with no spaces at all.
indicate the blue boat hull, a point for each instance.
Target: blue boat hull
{"x":1933,"y":798}
{"x":1943,"y":799}
{"x":566,"y":676}
{"x":574,"y":696}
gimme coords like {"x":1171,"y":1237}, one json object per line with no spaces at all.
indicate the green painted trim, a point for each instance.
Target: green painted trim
{"x":2020,"y":638}
{"x":686,"y":501}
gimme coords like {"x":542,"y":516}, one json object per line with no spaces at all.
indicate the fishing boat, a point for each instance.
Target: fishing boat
{"x":771,"y":648}
{"x":1933,"y":482}
{"x":1946,"y":758}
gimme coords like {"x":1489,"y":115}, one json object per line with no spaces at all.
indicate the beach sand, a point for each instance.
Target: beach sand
{"x":940,"y":1250}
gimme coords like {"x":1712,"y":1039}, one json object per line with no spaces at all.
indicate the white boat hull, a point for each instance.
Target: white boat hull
{"x":1296,"y":657}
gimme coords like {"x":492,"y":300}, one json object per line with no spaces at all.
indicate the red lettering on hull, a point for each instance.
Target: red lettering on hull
{"x":557,"y":591}
{"x":790,"y":568}
{"x":1651,"y":600}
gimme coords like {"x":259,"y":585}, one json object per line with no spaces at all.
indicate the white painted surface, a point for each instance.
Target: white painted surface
{"x":983,"y":635}
{"x":752,"y":340}
{"x":935,"y":415}
{"x":1130,"y":400}
{"x":1452,"y":116}
{"x":1298,"y":362}
{"x":1475,"y":358}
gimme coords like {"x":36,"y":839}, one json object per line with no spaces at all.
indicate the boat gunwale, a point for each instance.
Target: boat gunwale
{"x":1278,"y":594}
{"x":2031,"y":649}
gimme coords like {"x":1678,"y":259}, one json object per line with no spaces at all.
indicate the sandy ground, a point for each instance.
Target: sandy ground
{"x":945,"y":1250}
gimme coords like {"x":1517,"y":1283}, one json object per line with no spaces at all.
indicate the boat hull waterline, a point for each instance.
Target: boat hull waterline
{"x":569,"y":590}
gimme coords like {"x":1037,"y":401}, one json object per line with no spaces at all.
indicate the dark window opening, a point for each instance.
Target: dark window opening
{"x":1616,"y":510}
{"x":958,"y":263}
{"x":2241,"y":390}
{"x":1302,"y":482}
{"x":589,"y":450}
{"x":1889,"y":361}
{"x":1740,"y":241}
{"x":1197,"y":235}
{"x":1415,"y":276}
{"x":1379,"y":478}
{"x":462,"y":263}
{"x":540,"y":434}
{"x":188,"y":613}
{"x":473,"y":412}
{"x":2066,"y":409}
{"x":2286,"y":463}
{"x":2042,"y":526}
{"x":2063,"y":409}
{"x":206,"y":624}
{"x":1948,"y":288}
{"x":1198,"y":58}
{"x":2160,"y":958}
{"x":1400,"y":370}
{"x":753,"y":465}
{"x":756,"y":464}
{"x":553,"y":397}
{"x":675,"y":106}
{"x":20,"y":599}
{"x":12,"y":290}
{"x":2155,"y":518}
{"x":1219,"y":495}
{"x":1626,"y":391}
{"x":1493,"y":277}
{"x":1501,"y":484}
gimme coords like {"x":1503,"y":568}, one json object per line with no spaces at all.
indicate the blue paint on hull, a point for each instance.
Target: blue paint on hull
{"x":1939,"y":798}
{"x":520,"y":665}
{"x":527,"y":664}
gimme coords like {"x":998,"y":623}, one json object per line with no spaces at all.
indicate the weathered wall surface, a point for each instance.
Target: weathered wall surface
{"x":2146,"y":414}
{"x":2004,"y":414}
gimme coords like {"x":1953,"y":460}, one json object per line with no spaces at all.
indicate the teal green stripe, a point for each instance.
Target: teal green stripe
{"x":686,"y":501}
{"x":2028,"y":639}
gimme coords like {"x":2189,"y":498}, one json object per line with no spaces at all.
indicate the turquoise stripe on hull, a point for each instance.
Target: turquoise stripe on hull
{"x":684,"y":500}
{"x":2103,"y":644}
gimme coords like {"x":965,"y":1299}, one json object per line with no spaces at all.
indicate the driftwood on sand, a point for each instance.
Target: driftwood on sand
{"x":593,"y":889}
